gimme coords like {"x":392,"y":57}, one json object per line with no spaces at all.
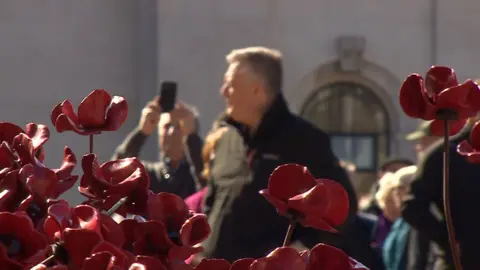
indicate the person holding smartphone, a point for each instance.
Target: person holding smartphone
{"x":180,"y":145}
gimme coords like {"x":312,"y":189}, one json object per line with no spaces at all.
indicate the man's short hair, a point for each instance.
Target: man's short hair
{"x":262,"y":61}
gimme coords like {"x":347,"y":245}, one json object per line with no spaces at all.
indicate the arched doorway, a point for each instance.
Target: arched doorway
{"x":357,"y":122}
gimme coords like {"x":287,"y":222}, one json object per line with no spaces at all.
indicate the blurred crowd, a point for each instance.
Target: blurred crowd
{"x":398,"y":225}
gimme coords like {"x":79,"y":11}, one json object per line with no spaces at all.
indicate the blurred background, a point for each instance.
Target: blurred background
{"x":344,"y":61}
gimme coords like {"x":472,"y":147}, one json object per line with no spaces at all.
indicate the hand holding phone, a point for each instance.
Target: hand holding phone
{"x":168,"y":96}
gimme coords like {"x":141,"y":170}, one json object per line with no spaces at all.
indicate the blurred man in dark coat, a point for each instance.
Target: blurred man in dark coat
{"x":264,"y":135}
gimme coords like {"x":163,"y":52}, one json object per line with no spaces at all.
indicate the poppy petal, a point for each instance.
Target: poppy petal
{"x":411,"y":98}
{"x":283,"y":258}
{"x":179,"y":254}
{"x":57,"y":110}
{"x":86,"y":217}
{"x":147,"y":263}
{"x":63,"y":123}
{"x":289,"y":180}
{"x":327,"y":257}
{"x":92,"y":183}
{"x":8,"y":189}
{"x":68,"y":164}
{"x":456,"y":98}
{"x":112,"y":231}
{"x":437,"y":79}
{"x":100,"y":260}
{"x":475,"y":136}
{"x":59,"y":213}
{"x":8,"y":131}
{"x":209,"y":264}
{"x":64,"y":185}
{"x":120,"y":257}
{"x":327,"y":200}
{"x":117,"y":113}
{"x":120,"y":169}
{"x":455,"y":126}
{"x":127,"y":185}
{"x":79,"y":244}
{"x":242,"y":264}
{"x":51,"y":230}
{"x":128,"y":228}
{"x":40,"y":181}
{"x":69,"y":112}
{"x":281,"y":206}
{"x":169,"y":209}
{"x":150,"y":238}
{"x":38,"y":133}
{"x":318,"y":223}
{"x":466,"y":150}
{"x":195,"y":230}
{"x":23,"y":146}
{"x":92,"y":110}
{"x":7,"y":158}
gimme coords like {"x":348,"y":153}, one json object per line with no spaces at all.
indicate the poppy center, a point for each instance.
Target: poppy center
{"x":446,"y":114}
{"x":12,"y":245}
{"x":60,"y":252}
{"x":35,"y":212}
{"x":294,"y":215}
{"x":175,"y":238}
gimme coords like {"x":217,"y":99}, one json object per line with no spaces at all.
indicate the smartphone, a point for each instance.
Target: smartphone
{"x":168,"y":96}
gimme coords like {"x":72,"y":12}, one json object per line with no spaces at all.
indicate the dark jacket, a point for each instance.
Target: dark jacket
{"x":181,"y":181}
{"x":243,"y":223}
{"x":360,"y":242}
{"x":423,"y":209}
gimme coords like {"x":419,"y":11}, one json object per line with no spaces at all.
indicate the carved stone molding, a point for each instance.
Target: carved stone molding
{"x":350,"y":51}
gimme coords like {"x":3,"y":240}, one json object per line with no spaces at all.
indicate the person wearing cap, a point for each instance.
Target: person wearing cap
{"x":422,"y":137}
{"x":423,"y":207}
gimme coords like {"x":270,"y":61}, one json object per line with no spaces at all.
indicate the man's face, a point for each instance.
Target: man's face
{"x":423,"y":143}
{"x":241,"y":93}
{"x":170,"y":137}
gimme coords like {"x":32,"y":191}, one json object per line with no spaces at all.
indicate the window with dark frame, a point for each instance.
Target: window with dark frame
{"x":356,"y":120}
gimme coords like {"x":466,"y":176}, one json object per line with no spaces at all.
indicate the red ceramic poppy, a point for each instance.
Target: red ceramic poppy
{"x":19,"y":241}
{"x":471,"y":150}
{"x":39,"y":134}
{"x":440,"y":90}
{"x":147,"y":263}
{"x":106,"y":256}
{"x":114,"y":180}
{"x":96,"y":113}
{"x":318,"y":203}
{"x":61,"y":216}
{"x":47,"y":183}
{"x":171,"y":233}
{"x":327,"y":257}
{"x":283,"y":258}
{"x":184,"y":227}
{"x":79,"y":244}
